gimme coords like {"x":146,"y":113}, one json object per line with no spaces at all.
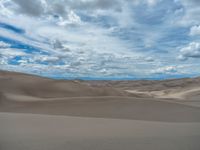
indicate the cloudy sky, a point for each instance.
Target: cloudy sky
{"x":109,"y":39}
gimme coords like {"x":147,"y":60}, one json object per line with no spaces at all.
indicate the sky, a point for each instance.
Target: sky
{"x":101,"y":39}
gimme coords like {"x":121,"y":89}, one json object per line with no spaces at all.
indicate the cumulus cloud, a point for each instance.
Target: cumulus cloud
{"x":190,"y":51}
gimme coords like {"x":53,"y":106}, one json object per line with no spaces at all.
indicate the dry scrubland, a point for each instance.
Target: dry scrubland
{"x":44,"y":114}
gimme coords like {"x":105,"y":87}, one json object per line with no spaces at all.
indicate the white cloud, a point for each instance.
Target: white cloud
{"x":3,"y":61}
{"x":3,"y":7}
{"x":149,"y":59}
{"x":190,"y":51}
{"x":4,"y":45}
{"x":47,"y":59}
{"x":72,"y":19}
{"x":8,"y":52}
{"x":165,"y":70}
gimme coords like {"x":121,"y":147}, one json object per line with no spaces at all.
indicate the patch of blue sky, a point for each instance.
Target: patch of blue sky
{"x":12,"y":28}
{"x":15,"y":60}
{"x":24,"y":47}
{"x":125,"y":78}
{"x":47,"y":63}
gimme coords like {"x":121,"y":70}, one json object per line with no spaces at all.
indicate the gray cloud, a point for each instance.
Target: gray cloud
{"x":93,"y":4}
{"x":58,"y":8}
{"x":30,"y":7}
{"x":57,"y":44}
{"x":40,"y":7}
{"x":191,"y":2}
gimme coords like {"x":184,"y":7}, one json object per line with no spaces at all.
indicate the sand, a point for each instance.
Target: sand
{"x":44,"y":132}
{"x":43,"y":114}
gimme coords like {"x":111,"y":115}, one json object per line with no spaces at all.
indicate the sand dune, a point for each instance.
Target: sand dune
{"x":19,"y":84}
{"x":42,"y":114}
{"x":22,"y":84}
{"x":174,"y":94}
{"x":44,"y":132}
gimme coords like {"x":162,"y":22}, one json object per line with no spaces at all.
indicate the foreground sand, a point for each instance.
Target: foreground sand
{"x":45,"y":132}
{"x":44,"y":114}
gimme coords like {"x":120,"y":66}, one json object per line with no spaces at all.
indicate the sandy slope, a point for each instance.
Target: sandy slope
{"x":34,"y":86}
{"x":44,"y":132}
{"x":108,"y":107}
{"x":39,"y":114}
{"x":174,"y":94}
